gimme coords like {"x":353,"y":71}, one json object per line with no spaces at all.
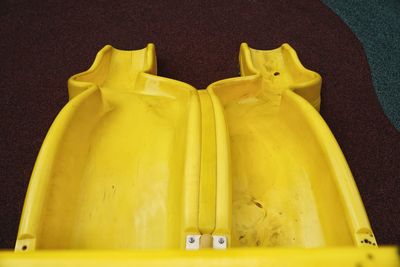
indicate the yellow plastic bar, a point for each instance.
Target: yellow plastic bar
{"x":328,"y":257}
{"x":192,"y":170}
{"x":208,"y":165}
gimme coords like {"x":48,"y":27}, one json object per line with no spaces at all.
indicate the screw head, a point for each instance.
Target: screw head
{"x":191,"y":240}
{"x":221,"y":240}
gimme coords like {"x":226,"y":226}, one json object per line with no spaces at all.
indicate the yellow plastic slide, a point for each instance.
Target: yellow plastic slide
{"x":138,"y":161}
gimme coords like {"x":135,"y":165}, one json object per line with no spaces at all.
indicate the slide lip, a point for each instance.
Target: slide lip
{"x":309,"y":89}
{"x":246,"y":50}
{"x":151,"y":66}
{"x":150,"y":70}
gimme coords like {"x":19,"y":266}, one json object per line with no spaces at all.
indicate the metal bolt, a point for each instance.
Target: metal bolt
{"x":221,"y":240}
{"x":191,"y":240}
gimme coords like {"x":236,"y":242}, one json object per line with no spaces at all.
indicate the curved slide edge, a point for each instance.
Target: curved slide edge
{"x":350,"y":197}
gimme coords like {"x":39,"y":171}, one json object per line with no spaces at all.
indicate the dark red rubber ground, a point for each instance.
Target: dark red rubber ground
{"x":43,"y":43}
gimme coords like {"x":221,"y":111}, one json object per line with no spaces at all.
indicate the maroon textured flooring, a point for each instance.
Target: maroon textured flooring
{"x":43,"y":43}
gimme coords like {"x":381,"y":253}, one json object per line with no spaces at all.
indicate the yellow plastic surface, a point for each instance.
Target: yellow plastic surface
{"x":274,"y":257}
{"x":138,"y":161}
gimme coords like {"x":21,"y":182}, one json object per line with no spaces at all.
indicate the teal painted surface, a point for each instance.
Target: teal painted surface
{"x":377,"y":25}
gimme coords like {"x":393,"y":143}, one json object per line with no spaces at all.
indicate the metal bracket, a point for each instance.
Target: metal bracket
{"x":220,"y":242}
{"x":193,"y":242}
